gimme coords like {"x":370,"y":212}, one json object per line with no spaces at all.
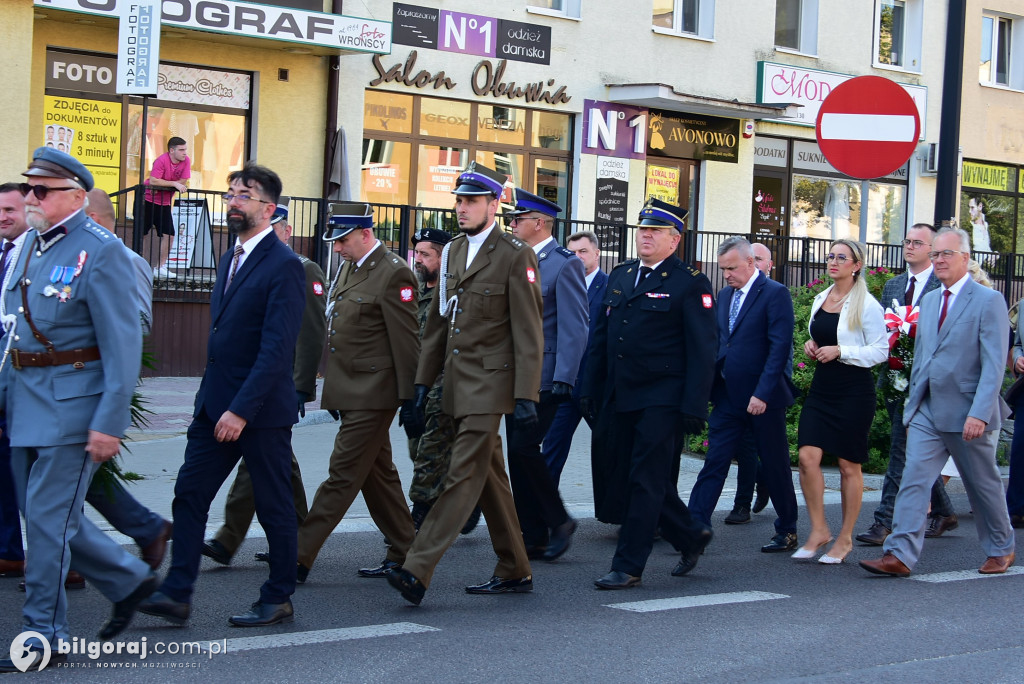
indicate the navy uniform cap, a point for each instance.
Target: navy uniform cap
{"x":527,"y":202}
{"x":664,"y":215}
{"x":344,"y":217}
{"x":479,"y":180}
{"x":435,"y":235}
{"x":52,"y":163}
{"x":280,"y":211}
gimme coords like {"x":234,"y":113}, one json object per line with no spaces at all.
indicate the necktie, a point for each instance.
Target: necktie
{"x":8,"y":246}
{"x":234,"y":265}
{"x":734,"y":308}
{"x":945,"y":303}
{"x":909,"y":298}
{"x":644,"y":272}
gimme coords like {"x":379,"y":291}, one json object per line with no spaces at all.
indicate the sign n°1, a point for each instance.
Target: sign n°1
{"x":868,"y":127}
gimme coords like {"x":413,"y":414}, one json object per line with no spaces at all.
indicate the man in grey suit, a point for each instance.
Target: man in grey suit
{"x":907,"y":289}
{"x":954,"y":406}
{"x":66,"y":388}
{"x":547,"y":527}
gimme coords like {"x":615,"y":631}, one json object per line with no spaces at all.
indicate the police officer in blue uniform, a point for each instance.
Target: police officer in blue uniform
{"x":75,"y":351}
{"x":547,"y":527}
{"x":650,"y":376}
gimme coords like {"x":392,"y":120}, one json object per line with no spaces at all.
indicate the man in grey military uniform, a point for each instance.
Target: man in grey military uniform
{"x":240,"y":506}
{"x":75,"y":356}
{"x":547,"y":527}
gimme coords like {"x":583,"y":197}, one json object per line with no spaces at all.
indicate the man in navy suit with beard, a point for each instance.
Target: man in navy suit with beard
{"x":751,"y":390}
{"x":245,"y":407}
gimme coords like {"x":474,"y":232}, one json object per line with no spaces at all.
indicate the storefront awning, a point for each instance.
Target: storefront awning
{"x":661,"y":96}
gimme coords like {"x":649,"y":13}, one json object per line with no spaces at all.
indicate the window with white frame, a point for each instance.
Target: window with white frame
{"x":684,"y":17}
{"x":898,"y":32}
{"x":796,"y":25}
{"x":996,"y":43}
{"x":557,"y":8}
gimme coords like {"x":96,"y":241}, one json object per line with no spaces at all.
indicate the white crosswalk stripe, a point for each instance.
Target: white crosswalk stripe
{"x":655,"y":605}
{"x":323,"y":636}
{"x":957,"y":575}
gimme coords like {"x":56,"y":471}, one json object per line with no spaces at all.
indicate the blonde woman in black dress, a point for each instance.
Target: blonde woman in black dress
{"x":847,"y":338}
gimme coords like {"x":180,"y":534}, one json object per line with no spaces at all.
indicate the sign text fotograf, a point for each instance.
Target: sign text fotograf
{"x":693,"y":136}
{"x":472,"y":34}
{"x":255,"y":20}
{"x":138,"y":48}
{"x":486,"y":79}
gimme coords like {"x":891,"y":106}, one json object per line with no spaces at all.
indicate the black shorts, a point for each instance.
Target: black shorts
{"x":157,"y":216}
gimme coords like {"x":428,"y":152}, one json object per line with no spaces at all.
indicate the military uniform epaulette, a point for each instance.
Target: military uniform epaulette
{"x":627,"y":262}
{"x":565,"y":252}
{"x":693,"y":271}
{"x":97,"y":230}
{"x":303,"y":259}
{"x":514,"y":241}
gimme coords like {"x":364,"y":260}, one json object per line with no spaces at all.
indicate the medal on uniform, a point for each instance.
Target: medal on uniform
{"x":60,"y":282}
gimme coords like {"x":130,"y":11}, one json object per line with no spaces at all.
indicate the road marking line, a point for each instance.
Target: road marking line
{"x":957,"y":575}
{"x":655,"y":605}
{"x":323,"y":636}
{"x":876,"y":127}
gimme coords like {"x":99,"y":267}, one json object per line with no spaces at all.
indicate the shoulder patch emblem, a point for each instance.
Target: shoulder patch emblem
{"x":318,"y":288}
{"x":531,"y":275}
{"x":406,"y":294}
{"x":705,"y":299}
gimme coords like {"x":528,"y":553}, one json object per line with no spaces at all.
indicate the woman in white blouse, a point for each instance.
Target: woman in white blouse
{"x":847,"y":338}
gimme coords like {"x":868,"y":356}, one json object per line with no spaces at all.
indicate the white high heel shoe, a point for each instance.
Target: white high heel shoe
{"x":803,"y":553}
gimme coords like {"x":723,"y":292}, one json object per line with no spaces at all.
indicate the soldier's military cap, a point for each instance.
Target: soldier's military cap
{"x":435,"y":235}
{"x":51,"y":163}
{"x":663,"y":215}
{"x":280,"y":211}
{"x":527,"y":202}
{"x":345,"y":217}
{"x":479,"y":180}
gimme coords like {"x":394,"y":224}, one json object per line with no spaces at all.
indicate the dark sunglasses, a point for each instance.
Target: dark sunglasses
{"x":40,"y":191}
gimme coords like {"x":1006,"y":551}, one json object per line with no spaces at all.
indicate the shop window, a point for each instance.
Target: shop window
{"x":438,"y":169}
{"x":503,"y":125}
{"x":796,"y":25}
{"x":825,"y":208}
{"x":216,"y":142}
{"x":551,"y":130}
{"x":385,"y":171}
{"x":384,"y":111}
{"x":551,"y":181}
{"x":509,"y":163}
{"x":989,"y":219}
{"x":1001,"y":52}
{"x":684,"y":17}
{"x":555,"y":8}
{"x":885,"y":207}
{"x":898,"y":30}
{"x":444,"y":118}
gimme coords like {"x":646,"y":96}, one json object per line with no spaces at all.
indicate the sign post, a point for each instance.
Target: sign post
{"x":868,"y":127}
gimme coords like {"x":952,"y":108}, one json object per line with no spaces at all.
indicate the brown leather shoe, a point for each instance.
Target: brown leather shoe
{"x":886,"y":565}
{"x":937,"y":524}
{"x":9,"y":568}
{"x":996,"y":565}
{"x":153,"y":553}
{"x":875,"y":535}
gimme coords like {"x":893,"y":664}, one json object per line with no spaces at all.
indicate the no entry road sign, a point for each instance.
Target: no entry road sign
{"x":868,"y":127}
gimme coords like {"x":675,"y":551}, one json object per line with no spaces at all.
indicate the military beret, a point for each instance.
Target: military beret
{"x":479,"y":180}
{"x":527,"y":202}
{"x":51,"y":163}
{"x":660,"y":214}
{"x":344,"y":217}
{"x":435,"y":235}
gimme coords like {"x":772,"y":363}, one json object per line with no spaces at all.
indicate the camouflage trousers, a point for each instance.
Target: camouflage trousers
{"x":432,"y":453}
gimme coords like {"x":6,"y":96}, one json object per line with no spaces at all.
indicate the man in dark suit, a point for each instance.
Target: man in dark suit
{"x":651,"y":373}
{"x":485,"y":329}
{"x":245,"y":406}
{"x":904,"y":292}
{"x":751,"y":391}
{"x":557,"y":442}
{"x":954,"y":407}
{"x":547,"y":527}
{"x":239,"y":507}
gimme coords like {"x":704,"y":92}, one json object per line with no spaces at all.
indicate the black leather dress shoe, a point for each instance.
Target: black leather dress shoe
{"x":7,"y":664}
{"x":216,"y":552}
{"x":163,"y":606}
{"x":738,"y":516}
{"x":761,"y":502}
{"x":875,"y":535}
{"x":561,"y":537}
{"x":124,"y":610}
{"x":616,"y":580}
{"x":689,"y":558}
{"x":262,"y":614}
{"x":404,"y":581}
{"x":783,"y":541}
{"x":500,"y":585}
{"x":419,"y":513}
{"x":380,"y":571}
{"x":153,"y":553}
{"x":937,"y":524}
{"x":1017,"y":521}
{"x":262,"y":556}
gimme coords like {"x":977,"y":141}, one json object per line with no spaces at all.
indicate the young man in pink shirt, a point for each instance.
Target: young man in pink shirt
{"x":170,"y":170}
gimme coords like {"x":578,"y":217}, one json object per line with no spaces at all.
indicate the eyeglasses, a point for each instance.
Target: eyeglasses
{"x":40,"y":191}
{"x":945,"y":254}
{"x":915,"y":243}
{"x":838,"y":258}
{"x":513,"y":219}
{"x":242,"y":199}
